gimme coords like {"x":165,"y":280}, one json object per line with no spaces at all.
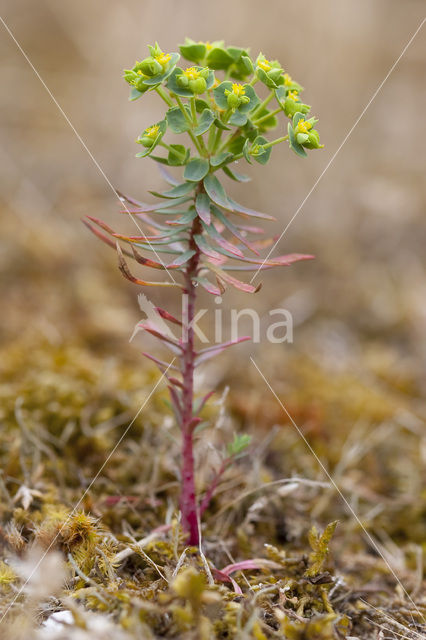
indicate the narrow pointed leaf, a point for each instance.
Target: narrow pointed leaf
{"x":221,"y":241}
{"x":237,"y":284}
{"x":183,"y":258}
{"x":233,"y":229}
{"x":149,"y":263}
{"x":208,"y":286}
{"x":255,"y":563}
{"x":122,"y":265}
{"x":168,"y":176}
{"x":185,"y":219}
{"x":211,"y":352}
{"x":105,"y":239}
{"x":238,"y":177}
{"x":149,"y":208}
{"x":153,"y":330}
{"x":239,"y":208}
{"x":202,"y":206}
{"x":163,"y":366}
{"x":205,"y":248}
{"x":176,"y":192}
{"x":167,"y":316}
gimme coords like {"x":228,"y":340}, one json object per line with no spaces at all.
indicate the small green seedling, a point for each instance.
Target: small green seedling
{"x":224,"y":104}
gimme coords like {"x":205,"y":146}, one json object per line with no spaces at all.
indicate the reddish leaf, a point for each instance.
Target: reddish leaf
{"x":211,"y":352}
{"x":105,"y":238}
{"x":167,"y":316}
{"x":251,"y":213}
{"x":255,"y":563}
{"x":233,"y":229}
{"x":163,"y":366}
{"x":206,"y":249}
{"x":168,"y":176}
{"x":208,"y":286}
{"x":176,"y":382}
{"x":149,"y":263}
{"x":122,"y":265}
{"x":242,"y":286}
{"x":150,"y":328}
{"x":221,"y":241}
{"x":222,"y":577}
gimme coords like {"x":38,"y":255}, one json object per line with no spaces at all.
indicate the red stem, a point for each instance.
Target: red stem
{"x":188,"y":503}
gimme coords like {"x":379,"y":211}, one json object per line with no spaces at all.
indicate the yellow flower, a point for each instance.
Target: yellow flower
{"x":293,"y":95}
{"x":238,"y":90}
{"x":163,"y":58}
{"x":191,"y":73}
{"x":152,"y":132}
{"x":207,"y":44}
{"x":288,"y":80}
{"x":303,"y":126}
{"x":264,"y":64}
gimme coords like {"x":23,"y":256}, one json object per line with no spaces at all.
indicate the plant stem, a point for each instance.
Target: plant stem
{"x":188,"y":504}
{"x":189,"y":121}
{"x":268,"y":115}
{"x":277,"y":141}
{"x":178,"y":155}
{"x":164,"y":95}
{"x":263,"y":104}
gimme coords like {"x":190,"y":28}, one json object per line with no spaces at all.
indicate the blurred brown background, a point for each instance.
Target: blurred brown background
{"x":364,"y":221}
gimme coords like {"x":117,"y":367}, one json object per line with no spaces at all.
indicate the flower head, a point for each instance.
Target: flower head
{"x":303,"y":126}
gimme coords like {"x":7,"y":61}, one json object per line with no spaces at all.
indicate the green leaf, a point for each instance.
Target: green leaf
{"x":174,"y":87}
{"x":205,"y":122}
{"x":194,"y":52}
{"x":135,"y":94}
{"x":238,"y":119}
{"x":240,"y":443}
{"x":177,"y":121}
{"x":246,"y":153}
{"x":219,"y":124}
{"x":236,"y":146}
{"x":178,"y":191}
{"x":180,"y":158}
{"x":297,"y":148}
{"x":196,"y":169}
{"x":183,"y":258}
{"x":238,"y":177}
{"x":263,"y":157}
{"x":202,"y":206}
{"x":263,"y":77}
{"x":185,"y":219}
{"x":162,"y":126}
{"x":156,"y":80}
{"x":215,"y":161}
{"x":218,"y":58}
{"x":216,"y":191}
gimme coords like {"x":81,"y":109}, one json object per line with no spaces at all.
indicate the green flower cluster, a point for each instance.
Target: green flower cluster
{"x":225,"y":119}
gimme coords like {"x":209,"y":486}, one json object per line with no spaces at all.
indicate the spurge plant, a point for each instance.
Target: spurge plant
{"x":194,"y":231}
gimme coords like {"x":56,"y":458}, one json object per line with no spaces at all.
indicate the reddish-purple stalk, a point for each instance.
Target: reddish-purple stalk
{"x":188,"y":502}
